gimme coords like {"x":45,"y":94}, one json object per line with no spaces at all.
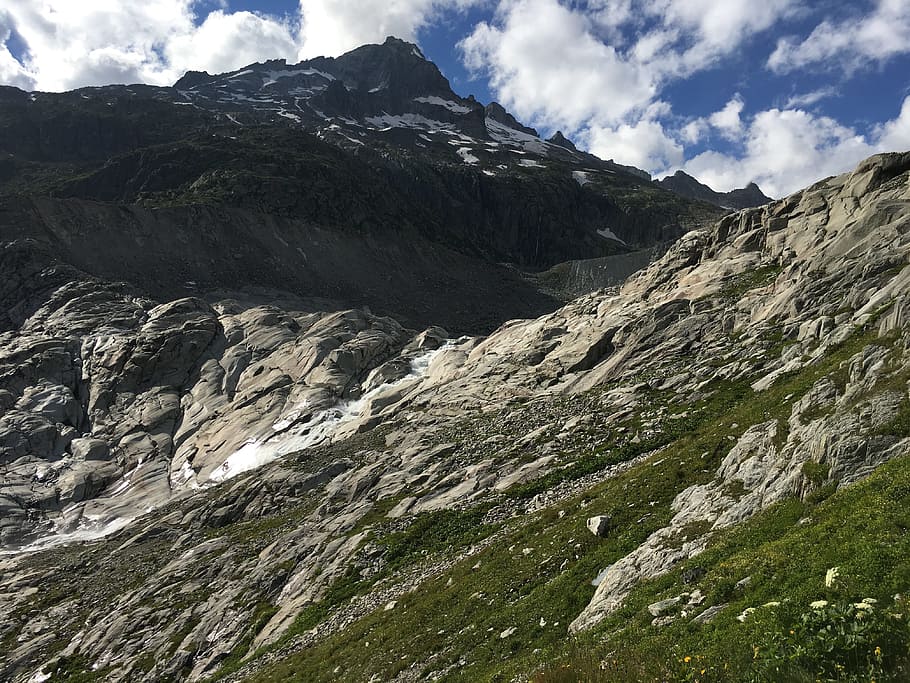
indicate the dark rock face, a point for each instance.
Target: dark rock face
{"x":371,"y":155}
{"x":742,"y":198}
{"x":562,"y":141}
{"x":186,"y":251}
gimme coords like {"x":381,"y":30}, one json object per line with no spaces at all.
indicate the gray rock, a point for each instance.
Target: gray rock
{"x":599,"y":525}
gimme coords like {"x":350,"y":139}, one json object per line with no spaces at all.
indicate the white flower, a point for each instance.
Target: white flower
{"x":862,"y":605}
{"x":870,"y":601}
{"x":771,"y":604}
{"x":831,"y":577}
{"x":818,"y":604}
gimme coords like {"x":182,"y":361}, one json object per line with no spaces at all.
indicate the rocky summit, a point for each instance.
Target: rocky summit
{"x":264,"y":414}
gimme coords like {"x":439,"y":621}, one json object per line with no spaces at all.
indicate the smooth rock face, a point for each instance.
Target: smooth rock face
{"x":113,"y":404}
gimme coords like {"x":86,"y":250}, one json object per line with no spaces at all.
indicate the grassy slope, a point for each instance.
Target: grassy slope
{"x":535,"y":577}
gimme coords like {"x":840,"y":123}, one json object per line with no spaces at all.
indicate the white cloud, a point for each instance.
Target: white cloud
{"x":98,"y":42}
{"x":894,"y":136}
{"x":709,"y":30}
{"x":224,"y":42}
{"x":810,"y":98}
{"x":645,"y":144}
{"x":546,"y":64}
{"x":785,"y":150}
{"x":876,"y":37}
{"x":331,"y":27}
{"x":11,"y":71}
{"x":613,"y":55}
{"x":727,"y":120}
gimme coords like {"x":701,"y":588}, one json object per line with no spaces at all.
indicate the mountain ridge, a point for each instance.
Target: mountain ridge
{"x":742,"y":198}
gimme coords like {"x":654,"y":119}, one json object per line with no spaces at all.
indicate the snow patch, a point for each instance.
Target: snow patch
{"x":530,"y":163}
{"x":275,"y":76}
{"x":466,"y":156}
{"x":447,"y":104}
{"x":318,"y":429}
{"x":416,"y":121}
{"x":606,"y":233}
{"x":581,"y":177}
{"x":511,"y":136}
{"x":88,"y":530}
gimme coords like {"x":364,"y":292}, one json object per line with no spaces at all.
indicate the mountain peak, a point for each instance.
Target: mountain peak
{"x":562,"y":141}
{"x":497,"y":112}
{"x":403,"y":45}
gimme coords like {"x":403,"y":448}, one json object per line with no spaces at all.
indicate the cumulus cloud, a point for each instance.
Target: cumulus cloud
{"x":614,"y":55}
{"x":785,"y":150}
{"x":97,"y":42}
{"x":849,"y":44}
{"x":709,"y":30}
{"x":645,"y":144}
{"x":589,"y":82}
{"x":330,"y":27}
{"x":727,"y":120}
{"x":224,"y":42}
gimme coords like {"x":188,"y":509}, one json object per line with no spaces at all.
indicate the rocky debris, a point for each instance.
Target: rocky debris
{"x":658,"y":608}
{"x":709,"y":614}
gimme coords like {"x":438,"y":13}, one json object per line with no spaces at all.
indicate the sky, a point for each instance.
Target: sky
{"x":779,"y":92}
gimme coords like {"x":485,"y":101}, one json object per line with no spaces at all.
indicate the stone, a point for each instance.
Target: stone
{"x":708,"y":615}
{"x":658,"y":608}
{"x":599,"y":525}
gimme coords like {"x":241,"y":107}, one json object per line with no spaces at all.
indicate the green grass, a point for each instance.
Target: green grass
{"x":862,"y":529}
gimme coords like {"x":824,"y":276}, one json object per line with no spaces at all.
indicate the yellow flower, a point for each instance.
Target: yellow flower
{"x":687,"y":659}
{"x":878,"y":651}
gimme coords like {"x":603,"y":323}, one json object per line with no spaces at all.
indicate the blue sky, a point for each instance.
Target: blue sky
{"x":781,"y":92}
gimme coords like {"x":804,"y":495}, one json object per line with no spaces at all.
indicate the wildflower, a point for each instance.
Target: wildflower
{"x":878,"y":651}
{"x":863,"y":605}
{"x":831,"y":577}
{"x":773,"y":603}
{"x":870,"y":601}
{"x":687,"y":659}
{"x":818,"y":604}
